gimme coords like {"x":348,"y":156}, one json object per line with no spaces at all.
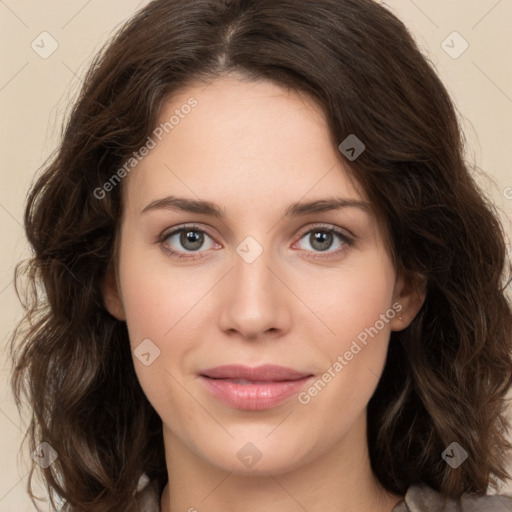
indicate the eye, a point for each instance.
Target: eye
{"x":186,"y":239}
{"x":321,"y":239}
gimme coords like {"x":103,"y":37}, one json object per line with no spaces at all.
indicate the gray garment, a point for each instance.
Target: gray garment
{"x":419,"y":498}
{"x":147,"y":497}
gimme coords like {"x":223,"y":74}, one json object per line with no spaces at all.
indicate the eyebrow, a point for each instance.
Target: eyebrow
{"x":294,"y":210}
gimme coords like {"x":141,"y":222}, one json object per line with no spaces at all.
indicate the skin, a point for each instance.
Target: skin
{"x":254,"y":148}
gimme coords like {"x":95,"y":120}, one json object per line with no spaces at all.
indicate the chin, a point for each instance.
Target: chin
{"x":258,"y":458}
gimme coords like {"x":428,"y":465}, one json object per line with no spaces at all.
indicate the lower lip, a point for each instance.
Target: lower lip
{"x":253,"y":397}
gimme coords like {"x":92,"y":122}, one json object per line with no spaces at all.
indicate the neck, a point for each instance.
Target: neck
{"x":338,"y":480}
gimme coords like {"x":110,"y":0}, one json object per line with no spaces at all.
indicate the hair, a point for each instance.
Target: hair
{"x":446,"y":375}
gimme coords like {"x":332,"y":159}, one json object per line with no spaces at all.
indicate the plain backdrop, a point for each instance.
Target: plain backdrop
{"x":46,"y":47}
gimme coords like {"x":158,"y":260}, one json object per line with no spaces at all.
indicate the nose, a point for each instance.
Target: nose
{"x":255,"y":302}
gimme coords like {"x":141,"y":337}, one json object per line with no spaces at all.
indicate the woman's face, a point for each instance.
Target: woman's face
{"x":265,"y":280}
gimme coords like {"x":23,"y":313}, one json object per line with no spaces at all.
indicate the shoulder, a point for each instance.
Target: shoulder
{"x":421,"y":498}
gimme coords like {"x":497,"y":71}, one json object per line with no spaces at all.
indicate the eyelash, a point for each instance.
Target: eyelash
{"x":347,"y":240}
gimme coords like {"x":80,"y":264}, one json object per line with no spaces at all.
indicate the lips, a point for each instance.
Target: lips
{"x":253,"y":388}
{"x":264,"y":373}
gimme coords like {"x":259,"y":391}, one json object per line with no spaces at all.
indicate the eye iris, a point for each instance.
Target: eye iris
{"x":194,"y":238}
{"x":321,"y":240}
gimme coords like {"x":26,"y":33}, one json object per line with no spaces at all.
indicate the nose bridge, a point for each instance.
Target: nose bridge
{"x":253,"y":301}
{"x":251,"y":268}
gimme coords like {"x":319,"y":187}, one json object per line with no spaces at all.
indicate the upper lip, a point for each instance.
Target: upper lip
{"x":263,"y":373}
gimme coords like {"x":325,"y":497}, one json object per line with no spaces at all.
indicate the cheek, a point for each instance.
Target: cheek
{"x":353,"y":300}
{"x":163,"y":305}
{"x":159,"y":299}
{"x":357,"y":308}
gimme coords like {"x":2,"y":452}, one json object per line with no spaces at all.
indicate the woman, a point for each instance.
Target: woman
{"x":269,"y":279}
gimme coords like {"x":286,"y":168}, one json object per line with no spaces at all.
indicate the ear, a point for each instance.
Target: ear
{"x":112,"y":297}
{"x":410,"y":292}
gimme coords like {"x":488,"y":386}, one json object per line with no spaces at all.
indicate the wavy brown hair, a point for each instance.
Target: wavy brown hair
{"x":446,"y":375}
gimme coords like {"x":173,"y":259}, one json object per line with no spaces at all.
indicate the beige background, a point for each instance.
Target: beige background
{"x":35,"y":93}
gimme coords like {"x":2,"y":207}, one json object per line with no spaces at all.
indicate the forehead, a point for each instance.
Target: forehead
{"x":250,"y":144}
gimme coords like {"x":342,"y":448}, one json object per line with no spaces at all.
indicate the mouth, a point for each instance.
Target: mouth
{"x":253,"y":388}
